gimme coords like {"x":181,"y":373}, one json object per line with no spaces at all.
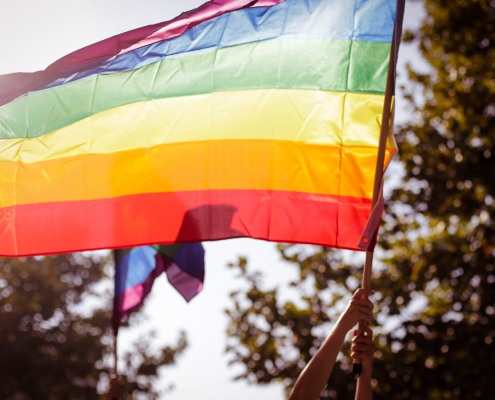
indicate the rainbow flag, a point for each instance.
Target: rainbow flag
{"x":241,"y":118}
{"x":137,"y":268}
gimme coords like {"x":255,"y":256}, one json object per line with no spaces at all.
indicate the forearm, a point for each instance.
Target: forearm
{"x":363,"y":390}
{"x":314,"y":377}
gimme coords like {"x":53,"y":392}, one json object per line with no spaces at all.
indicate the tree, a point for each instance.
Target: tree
{"x":53,"y":350}
{"x":437,"y":239}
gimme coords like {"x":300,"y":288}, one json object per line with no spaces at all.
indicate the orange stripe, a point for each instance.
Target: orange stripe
{"x":205,"y":165}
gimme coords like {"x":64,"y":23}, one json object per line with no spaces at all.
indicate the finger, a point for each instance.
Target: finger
{"x":361,"y":335}
{"x":358,"y":354}
{"x":365,"y":331}
{"x":358,"y":336}
{"x":363,"y":303}
{"x":364,"y":309}
{"x":360,"y":308}
{"x":363,"y":293}
{"x":359,"y":339}
{"x":362,"y":339}
{"x":361,"y":346}
{"x":365,"y":348}
{"x":361,"y":355}
{"x":368,"y":331}
{"x":366,"y":317}
{"x":357,"y":310}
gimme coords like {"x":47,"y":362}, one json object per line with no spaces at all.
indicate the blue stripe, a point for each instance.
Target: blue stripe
{"x":134,"y":268}
{"x":190,"y":258}
{"x":359,"y":20}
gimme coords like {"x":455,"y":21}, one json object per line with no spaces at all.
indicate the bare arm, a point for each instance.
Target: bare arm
{"x":363,"y":348}
{"x":314,"y":377}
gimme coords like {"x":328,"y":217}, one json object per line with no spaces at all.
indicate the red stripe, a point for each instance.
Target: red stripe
{"x":191,"y":216}
{"x":147,"y":35}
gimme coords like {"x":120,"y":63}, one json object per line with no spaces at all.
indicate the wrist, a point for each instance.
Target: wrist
{"x":339,"y":331}
{"x":342,"y":326}
{"x":366,"y":369}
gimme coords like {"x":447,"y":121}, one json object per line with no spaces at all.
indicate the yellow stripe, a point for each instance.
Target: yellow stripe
{"x":220,"y":164}
{"x":317,"y":117}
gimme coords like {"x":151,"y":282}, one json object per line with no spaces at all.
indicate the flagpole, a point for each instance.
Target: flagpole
{"x":115,"y":355}
{"x":115,"y":327}
{"x":386,"y":120}
{"x":114,"y":389}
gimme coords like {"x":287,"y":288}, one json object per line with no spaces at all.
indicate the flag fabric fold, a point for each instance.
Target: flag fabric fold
{"x":137,"y":268}
{"x":238,"y":119}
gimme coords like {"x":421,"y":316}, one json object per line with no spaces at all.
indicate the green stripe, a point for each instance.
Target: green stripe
{"x":168,"y":250}
{"x":119,"y":254}
{"x":330,"y":65}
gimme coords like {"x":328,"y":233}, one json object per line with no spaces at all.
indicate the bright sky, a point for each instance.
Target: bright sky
{"x":33,"y":34}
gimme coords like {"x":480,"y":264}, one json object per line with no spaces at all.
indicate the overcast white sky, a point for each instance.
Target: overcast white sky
{"x":35,"y":33}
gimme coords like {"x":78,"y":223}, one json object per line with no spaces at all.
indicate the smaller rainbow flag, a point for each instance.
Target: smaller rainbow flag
{"x":137,"y":268}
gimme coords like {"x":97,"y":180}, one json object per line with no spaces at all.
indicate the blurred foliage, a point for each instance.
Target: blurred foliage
{"x":436,"y":276}
{"x":55,"y":332}
{"x":276,"y":339}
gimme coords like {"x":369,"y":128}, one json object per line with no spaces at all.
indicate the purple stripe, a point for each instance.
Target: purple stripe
{"x":184,"y":283}
{"x":146,"y":35}
{"x":187,"y":285}
{"x":190,"y":258}
{"x":98,"y":55}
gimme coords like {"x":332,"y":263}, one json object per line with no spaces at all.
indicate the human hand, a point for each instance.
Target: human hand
{"x":359,"y":308}
{"x":362,"y":345}
{"x":114,"y":390}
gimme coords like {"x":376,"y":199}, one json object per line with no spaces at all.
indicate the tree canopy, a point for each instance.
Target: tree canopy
{"x":435,"y":279}
{"x":54,"y":348}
